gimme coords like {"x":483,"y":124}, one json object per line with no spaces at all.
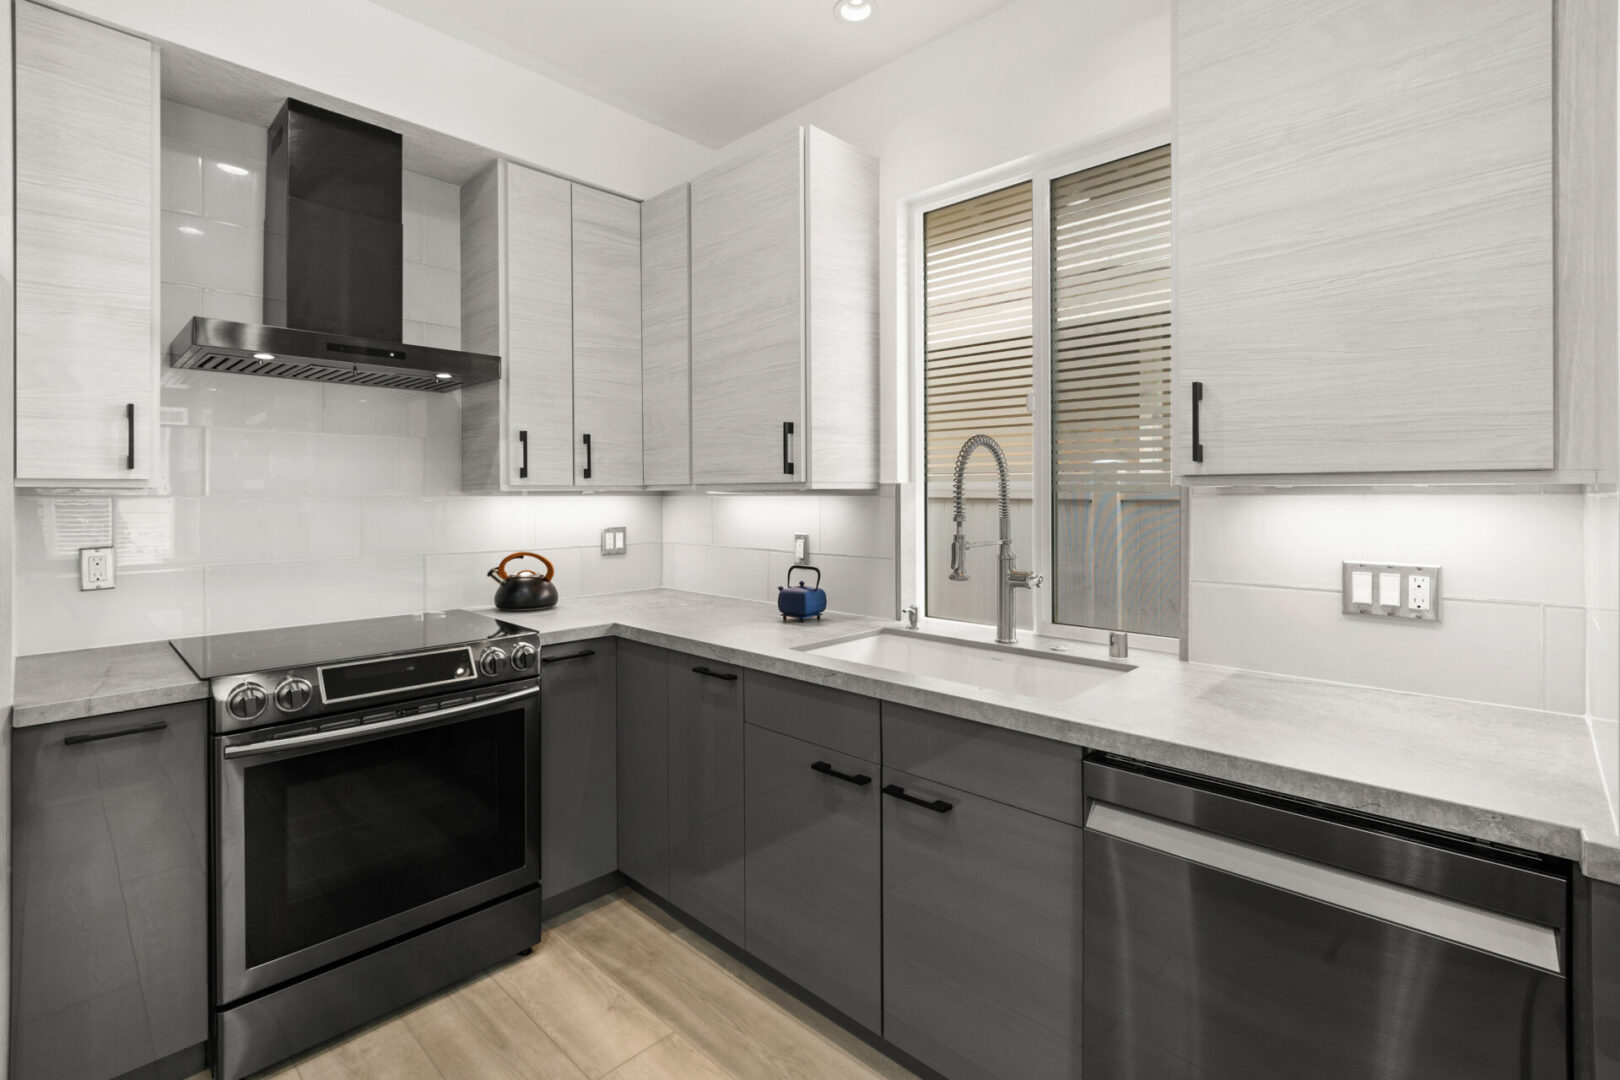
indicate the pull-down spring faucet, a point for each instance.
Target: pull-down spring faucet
{"x":1008,"y":578}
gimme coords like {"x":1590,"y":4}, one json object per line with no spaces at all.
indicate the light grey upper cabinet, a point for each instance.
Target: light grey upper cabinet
{"x":517,"y":302}
{"x":550,"y":281}
{"x":88,"y":353}
{"x":607,"y":339}
{"x":666,"y":338}
{"x":784,"y":316}
{"x":1363,"y":202}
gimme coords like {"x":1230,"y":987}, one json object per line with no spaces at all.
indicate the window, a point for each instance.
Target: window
{"x":1092,"y":328}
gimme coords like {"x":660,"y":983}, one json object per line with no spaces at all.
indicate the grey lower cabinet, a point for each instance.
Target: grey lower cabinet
{"x":643,"y":765}
{"x":109,"y":922}
{"x":706,"y":839}
{"x":814,"y":900}
{"x":981,"y":933}
{"x":578,"y":764}
{"x":1604,"y":950}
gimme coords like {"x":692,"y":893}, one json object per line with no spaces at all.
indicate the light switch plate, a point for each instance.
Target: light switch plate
{"x":96,"y":569}
{"x":615,"y":540}
{"x":801,"y":547}
{"x":1385,"y":591}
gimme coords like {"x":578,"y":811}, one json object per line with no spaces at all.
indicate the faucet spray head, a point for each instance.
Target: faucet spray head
{"x":959,"y":549}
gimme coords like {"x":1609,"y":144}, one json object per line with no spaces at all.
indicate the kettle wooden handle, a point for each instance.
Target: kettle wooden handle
{"x":501,"y":569}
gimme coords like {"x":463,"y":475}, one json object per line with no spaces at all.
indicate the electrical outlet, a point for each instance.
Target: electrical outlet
{"x":1405,"y":591}
{"x":801,"y":547}
{"x":96,"y":569}
{"x":614,"y":540}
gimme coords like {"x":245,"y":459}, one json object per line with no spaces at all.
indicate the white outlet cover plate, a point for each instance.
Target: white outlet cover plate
{"x":1377,"y":573}
{"x":90,"y":577}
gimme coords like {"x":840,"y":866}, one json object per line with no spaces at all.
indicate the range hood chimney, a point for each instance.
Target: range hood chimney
{"x":333,"y":269}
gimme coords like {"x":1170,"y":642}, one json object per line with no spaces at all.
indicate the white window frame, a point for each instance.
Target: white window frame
{"x":1041,"y":170}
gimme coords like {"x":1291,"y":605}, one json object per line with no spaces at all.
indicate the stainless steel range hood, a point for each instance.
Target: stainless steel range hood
{"x":333,"y":269}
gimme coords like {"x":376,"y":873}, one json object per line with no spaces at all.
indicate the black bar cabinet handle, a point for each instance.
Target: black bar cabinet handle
{"x":571,"y":656}
{"x":787,"y":447}
{"x":587,"y":457}
{"x":523,"y":469}
{"x":129,"y":422}
{"x":715,"y":674}
{"x":858,"y":779}
{"x":1197,"y":402}
{"x":938,"y":806}
{"x":116,"y":733}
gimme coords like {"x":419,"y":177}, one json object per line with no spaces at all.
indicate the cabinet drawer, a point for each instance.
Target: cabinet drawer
{"x":1026,"y":771}
{"x":110,"y":908}
{"x":813,"y":899}
{"x":818,"y":714}
{"x":981,"y":934}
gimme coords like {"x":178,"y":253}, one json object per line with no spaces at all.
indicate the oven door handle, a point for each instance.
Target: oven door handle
{"x":349,"y":734}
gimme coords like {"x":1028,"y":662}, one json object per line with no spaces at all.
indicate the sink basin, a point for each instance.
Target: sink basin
{"x":983,"y":666}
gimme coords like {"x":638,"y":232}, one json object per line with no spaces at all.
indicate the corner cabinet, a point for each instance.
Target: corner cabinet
{"x":1364,"y":236}
{"x":88,"y":352}
{"x":784,"y":317}
{"x":551,"y":282}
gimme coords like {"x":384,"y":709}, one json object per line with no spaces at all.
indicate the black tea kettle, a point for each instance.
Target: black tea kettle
{"x":524,"y":590}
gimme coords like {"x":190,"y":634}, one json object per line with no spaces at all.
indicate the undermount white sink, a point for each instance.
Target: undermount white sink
{"x":984,"y":666}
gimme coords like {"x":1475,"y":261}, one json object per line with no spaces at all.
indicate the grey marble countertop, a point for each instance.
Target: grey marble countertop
{"x":1512,"y":776}
{"x":90,"y":682}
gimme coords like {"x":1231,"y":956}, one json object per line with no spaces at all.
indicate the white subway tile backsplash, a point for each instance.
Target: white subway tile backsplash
{"x":441,"y":231}
{"x":432,"y":294}
{"x":237,"y":307}
{"x":212,"y":399}
{"x":858,"y":524}
{"x":688,"y":519}
{"x":739,"y":572}
{"x":177,"y":305}
{"x":364,"y":465}
{"x":464,"y":523}
{"x":258,"y":462}
{"x":1482,"y":651}
{"x":640,"y":567}
{"x":1564,"y":659}
{"x":50,"y":530}
{"x":254,"y":595}
{"x":147,"y":605}
{"x":441,"y":337}
{"x":186,"y":253}
{"x":369,"y":410}
{"x":1297,"y":540}
{"x":181,"y":177}
{"x":1602,"y":673}
{"x":768,"y":522}
{"x":265,"y":530}
{"x":578,"y":520}
{"x":411,"y":228}
{"x":152,"y":532}
{"x":185,"y":123}
{"x":233,"y":189}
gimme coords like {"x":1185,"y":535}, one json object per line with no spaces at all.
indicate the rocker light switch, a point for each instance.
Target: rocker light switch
{"x":1361,"y":587}
{"x":1389,"y":590}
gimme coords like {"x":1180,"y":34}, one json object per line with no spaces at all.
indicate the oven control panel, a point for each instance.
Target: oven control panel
{"x":249,"y":701}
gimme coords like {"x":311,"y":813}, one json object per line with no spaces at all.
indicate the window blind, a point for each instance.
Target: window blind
{"x":979,"y":330}
{"x":1111,"y":376}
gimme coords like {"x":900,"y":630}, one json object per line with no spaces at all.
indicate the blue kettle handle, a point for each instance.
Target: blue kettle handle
{"x":817,"y":585}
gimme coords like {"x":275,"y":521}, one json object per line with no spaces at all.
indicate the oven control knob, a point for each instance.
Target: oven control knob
{"x":493,"y":662}
{"x":247,"y":701}
{"x":293,"y":694}
{"x":523,"y":656}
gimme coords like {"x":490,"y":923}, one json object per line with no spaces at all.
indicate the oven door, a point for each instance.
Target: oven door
{"x":333,"y":842}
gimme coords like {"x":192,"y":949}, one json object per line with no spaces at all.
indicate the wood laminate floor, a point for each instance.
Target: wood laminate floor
{"x":616,"y":991}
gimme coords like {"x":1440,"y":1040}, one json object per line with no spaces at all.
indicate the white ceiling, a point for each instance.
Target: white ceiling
{"x":712,"y":70}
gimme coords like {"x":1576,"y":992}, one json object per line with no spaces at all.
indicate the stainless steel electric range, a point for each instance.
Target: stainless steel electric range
{"x":375,"y":820}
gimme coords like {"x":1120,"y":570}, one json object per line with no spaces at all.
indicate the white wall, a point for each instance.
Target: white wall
{"x":742,"y":545}
{"x":368,"y":55}
{"x":284,"y":502}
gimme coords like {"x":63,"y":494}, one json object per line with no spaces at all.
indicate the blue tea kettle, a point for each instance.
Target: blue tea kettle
{"x":799,"y":602}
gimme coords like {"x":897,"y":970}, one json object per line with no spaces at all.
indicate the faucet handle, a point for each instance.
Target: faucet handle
{"x":1029,"y":579}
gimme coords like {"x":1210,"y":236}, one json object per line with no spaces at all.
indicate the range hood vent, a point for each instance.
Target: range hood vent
{"x":333,"y":269}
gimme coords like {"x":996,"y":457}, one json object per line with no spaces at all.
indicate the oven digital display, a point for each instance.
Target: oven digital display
{"x":369,"y":678}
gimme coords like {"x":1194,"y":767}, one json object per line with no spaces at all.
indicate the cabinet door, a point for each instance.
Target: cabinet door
{"x":814,"y":890}
{"x":87,"y":330}
{"x":1364,"y":235}
{"x":607,"y":339}
{"x":981,"y":934}
{"x":538,"y":367}
{"x":666,"y":339}
{"x":578,"y":764}
{"x":706,"y":793}
{"x":643,"y":765}
{"x":748,"y":318}
{"x":110,"y":908}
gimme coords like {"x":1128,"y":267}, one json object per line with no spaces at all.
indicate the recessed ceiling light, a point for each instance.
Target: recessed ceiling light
{"x":264,"y":356}
{"x":234,"y":170}
{"x":854,"y":10}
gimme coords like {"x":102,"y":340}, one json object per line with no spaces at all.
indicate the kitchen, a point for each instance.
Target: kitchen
{"x":683,"y":326}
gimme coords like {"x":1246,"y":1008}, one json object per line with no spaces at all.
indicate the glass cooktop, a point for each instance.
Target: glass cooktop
{"x":217,"y":655}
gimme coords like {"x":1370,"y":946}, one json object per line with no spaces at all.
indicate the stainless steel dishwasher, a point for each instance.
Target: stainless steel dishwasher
{"x":1234,"y":936}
